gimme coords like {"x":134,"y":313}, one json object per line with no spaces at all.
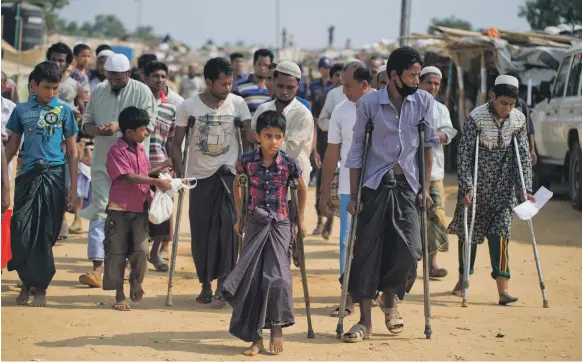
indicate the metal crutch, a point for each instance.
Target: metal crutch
{"x":191,"y":121}
{"x":350,"y":252}
{"x":469,"y":230}
{"x":531,"y":230}
{"x":301,"y":254}
{"x":243,"y":181}
{"x":423,"y":234}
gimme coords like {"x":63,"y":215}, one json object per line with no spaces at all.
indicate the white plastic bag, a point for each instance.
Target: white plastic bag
{"x":161,"y":208}
{"x":162,"y":204}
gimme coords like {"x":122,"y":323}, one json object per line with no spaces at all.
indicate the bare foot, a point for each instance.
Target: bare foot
{"x":458,"y":290}
{"x":39,"y":298}
{"x":136,"y":292}
{"x":276,"y":346}
{"x":24,"y":295}
{"x":255,"y":348}
{"x":120,"y":303}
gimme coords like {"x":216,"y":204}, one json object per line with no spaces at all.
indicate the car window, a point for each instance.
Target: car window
{"x":561,"y":78}
{"x":574,"y":79}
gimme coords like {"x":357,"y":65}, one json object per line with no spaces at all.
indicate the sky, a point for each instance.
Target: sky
{"x":254,"y":21}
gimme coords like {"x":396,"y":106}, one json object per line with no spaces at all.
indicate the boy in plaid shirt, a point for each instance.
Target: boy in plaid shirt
{"x":259,"y":287}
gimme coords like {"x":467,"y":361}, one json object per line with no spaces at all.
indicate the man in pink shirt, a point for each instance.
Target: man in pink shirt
{"x":126,"y":225}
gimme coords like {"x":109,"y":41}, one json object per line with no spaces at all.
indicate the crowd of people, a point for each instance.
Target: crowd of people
{"x":97,"y":142}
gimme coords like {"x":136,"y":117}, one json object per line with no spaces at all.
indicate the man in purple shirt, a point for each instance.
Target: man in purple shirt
{"x":388,"y":243}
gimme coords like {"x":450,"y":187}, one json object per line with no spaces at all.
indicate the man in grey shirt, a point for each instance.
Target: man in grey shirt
{"x":388,"y":244}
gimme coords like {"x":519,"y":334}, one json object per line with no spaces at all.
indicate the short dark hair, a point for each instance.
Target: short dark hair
{"x":133,"y":118}
{"x":153,"y":66}
{"x":361,"y":71}
{"x":403,"y":58}
{"x":272,"y":66}
{"x":60,"y":48}
{"x":276,"y":74}
{"x":215,"y":66}
{"x":144,"y":59}
{"x":271,"y":119}
{"x":337,"y":67}
{"x":506,"y":90}
{"x":102,"y":47}
{"x":263,"y":53}
{"x":79,"y":48}
{"x":46,"y":71}
{"x":235,"y":55}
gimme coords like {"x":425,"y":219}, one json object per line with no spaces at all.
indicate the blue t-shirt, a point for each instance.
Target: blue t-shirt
{"x":43,"y":127}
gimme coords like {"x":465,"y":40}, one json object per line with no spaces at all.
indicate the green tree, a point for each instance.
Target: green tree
{"x":450,"y":22}
{"x":145,"y":32}
{"x":543,"y":13}
{"x":108,"y":26}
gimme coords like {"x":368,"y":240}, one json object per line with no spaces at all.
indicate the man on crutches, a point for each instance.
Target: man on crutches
{"x":494,"y":135}
{"x":214,"y":150}
{"x":387,"y":244}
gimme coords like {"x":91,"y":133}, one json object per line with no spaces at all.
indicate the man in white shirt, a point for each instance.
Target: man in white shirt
{"x":299,"y":135}
{"x":357,"y":80}
{"x":192,"y":83}
{"x":430,"y":81}
{"x":213,"y":154}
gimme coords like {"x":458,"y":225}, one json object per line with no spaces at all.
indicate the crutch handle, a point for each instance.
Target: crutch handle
{"x":191,"y":121}
{"x":238,"y":123}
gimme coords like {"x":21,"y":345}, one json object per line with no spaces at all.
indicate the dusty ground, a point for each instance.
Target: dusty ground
{"x":78,"y":323}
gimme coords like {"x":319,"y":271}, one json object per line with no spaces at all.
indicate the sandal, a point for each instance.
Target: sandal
{"x":437,"y":272}
{"x":393,"y":320}
{"x":159,"y":264}
{"x":218,"y":302}
{"x":347,"y":312}
{"x":326,"y":232}
{"x":204,"y":297}
{"x":91,"y":279}
{"x":356,"y":334}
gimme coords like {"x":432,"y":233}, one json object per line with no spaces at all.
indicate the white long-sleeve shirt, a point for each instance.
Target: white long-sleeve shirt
{"x":442,"y":123}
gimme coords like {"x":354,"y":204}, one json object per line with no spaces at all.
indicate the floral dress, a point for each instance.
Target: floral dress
{"x":498,"y":181}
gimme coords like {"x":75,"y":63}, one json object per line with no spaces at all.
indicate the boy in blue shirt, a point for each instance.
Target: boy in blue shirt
{"x":39,"y":194}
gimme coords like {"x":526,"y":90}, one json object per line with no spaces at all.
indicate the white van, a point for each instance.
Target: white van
{"x":558,"y":127}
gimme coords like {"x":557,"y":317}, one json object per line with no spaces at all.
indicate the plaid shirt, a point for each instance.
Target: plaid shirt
{"x":268,"y":185}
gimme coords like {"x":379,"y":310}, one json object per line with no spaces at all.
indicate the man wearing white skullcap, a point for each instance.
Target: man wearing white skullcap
{"x":299,"y":135}
{"x":430,"y":81}
{"x":496,"y":123}
{"x":107,"y":101}
{"x":97,"y":75}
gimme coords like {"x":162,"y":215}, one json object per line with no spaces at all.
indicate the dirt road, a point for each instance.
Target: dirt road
{"x":78,"y":323}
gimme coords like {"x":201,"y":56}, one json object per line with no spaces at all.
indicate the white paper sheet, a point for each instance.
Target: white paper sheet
{"x":529,"y":209}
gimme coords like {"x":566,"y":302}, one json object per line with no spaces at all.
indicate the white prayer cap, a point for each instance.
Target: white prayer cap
{"x":290,"y":68}
{"x":507,"y":79}
{"x":117,"y":63}
{"x":382,"y":69}
{"x":105,"y":53}
{"x":431,"y":70}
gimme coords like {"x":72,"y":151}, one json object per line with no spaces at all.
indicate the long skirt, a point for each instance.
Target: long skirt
{"x":259,"y":287}
{"x":388,"y":244}
{"x":212,"y":218}
{"x":39,"y":206}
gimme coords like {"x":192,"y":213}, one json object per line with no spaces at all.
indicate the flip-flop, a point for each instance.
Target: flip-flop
{"x":90,"y":279}
{"x":360,"y":333}
{"x":326,"y":231}
{"x":335,"y":313}
{"x":317,"y":230}
{"x":124,"y":306}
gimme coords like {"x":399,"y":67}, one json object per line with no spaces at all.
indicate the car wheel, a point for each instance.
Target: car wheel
{"x":575,"y":176}
{"x":540,"y":177}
